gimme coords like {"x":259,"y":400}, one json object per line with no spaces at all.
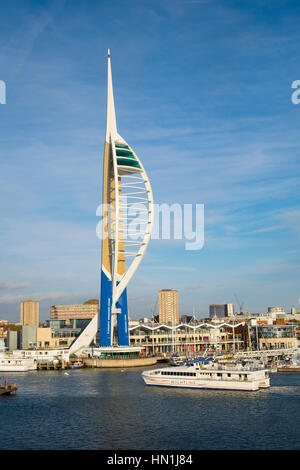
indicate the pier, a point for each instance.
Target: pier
{"x":52,"y":366}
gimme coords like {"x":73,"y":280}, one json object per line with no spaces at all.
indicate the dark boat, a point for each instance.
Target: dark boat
{"x":6,"y":389}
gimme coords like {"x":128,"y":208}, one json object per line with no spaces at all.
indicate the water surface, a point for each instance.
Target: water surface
{"x":113,"y":409}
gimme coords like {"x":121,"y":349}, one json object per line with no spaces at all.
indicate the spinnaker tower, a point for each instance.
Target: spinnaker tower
{"x":127,"y":222}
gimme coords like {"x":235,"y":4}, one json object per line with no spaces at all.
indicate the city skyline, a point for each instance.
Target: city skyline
{"x":209,"y":73}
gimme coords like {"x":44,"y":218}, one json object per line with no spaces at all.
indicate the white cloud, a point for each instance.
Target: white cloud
{"x":14,"y":285}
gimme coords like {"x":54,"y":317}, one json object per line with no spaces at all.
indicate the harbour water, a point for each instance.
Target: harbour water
{"x":113,"y":409}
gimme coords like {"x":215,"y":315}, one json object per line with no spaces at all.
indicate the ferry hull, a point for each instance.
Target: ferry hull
{"x":213,"y":385}
{"x":16,"y":369}
{"x":215,"y":377}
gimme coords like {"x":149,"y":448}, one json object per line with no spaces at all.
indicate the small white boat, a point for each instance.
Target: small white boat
{"x":176,"y":360}
{"x":213,"y":376}
{"x":12,"y":363}
{"x":76,"y":365}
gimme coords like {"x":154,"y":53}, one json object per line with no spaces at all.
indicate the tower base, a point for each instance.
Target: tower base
{"x":117,"y":357}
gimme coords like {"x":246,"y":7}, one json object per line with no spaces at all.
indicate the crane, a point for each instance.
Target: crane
{"x":241,"y":305}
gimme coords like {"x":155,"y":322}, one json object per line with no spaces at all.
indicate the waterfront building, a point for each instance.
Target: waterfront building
{"x":168,"y":306}
{"x":54,"y":336}
{"x":189,"y":339}
{"x":67,"y":313}
{"x":126,"y":188}
{"x":221,"y":310}
{"x":273,"y":335}
{"x":30,"y":312}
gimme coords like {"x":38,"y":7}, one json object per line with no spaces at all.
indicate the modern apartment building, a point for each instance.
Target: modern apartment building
{"x":30,"y":312}
{"x":168,"y":306}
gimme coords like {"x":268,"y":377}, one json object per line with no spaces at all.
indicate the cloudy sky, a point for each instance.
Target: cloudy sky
{"x":203,"y":95}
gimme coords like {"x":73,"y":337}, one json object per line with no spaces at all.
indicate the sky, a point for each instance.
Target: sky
{"x":203,"y":95}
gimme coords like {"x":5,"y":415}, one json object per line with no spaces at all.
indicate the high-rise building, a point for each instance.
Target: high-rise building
{"x":69,"y":312}
{"x":126,"y":187}
{"x":221,"y":310}
{"x":30,"y":312}
{"x":168,"y":306}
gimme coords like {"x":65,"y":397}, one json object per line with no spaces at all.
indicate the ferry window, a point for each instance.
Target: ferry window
{"x":229,"y":375}
{"x":219,"y":375}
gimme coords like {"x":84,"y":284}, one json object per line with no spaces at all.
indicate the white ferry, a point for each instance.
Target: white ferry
{"x":11,"y":363}
{"x":213,"y":376}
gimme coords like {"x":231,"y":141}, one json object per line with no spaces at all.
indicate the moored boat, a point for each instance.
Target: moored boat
{"x":76,"y":365}
{"x":14,"y":363}
{"x":213,"y":376}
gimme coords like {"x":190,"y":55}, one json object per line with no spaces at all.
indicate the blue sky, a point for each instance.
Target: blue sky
{"x":203,"y":95}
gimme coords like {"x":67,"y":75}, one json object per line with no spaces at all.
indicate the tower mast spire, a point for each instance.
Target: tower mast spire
{"x":111,"y":123}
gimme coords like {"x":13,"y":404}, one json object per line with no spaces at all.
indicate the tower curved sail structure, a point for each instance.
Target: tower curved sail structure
{"x":126,"y":226}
